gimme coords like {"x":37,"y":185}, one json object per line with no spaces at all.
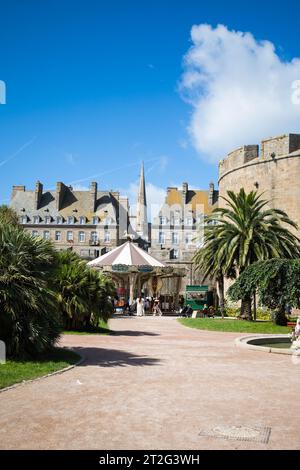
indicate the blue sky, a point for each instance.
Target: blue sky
{"x":93,"y":88}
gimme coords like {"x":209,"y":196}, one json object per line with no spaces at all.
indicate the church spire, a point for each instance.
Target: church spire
{"x":142,"y":220}
{"x":142,"y":188}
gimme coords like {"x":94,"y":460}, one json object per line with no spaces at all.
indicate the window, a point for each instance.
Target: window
{"x":35,"y":233}
{"x":162,"y":220}
{"x":175,"y":238}
{"x":70,"y":236}
{"x":82,"y":220}
{"x":46,"y":235}
{"x":95,"y":220}
{"x":81,"y":237}
{"x":189,"y":221}
{"x":47,"y":219}
{"x":70,"y":220}
{"x":58,"y":236}
{"x":36,"y":219}
{"x":108,"y":221}
{"x":161,"y":238}
{"x":106,"y":236}
{"x":23,"y":219}
{"x":200,"y":219}
{"x":59,"y":220}
{"x":188,"y":238}
{"x":94,"y":237}
{"x":175,"y":220}
{"x":174,"y":254}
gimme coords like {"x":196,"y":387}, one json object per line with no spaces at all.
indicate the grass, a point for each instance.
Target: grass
{"x":238,"y":326}
{"x":15,"y":371}
{"x":102,"y":329}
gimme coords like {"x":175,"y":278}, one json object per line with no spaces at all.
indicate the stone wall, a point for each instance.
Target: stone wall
{"x":276,"y":173}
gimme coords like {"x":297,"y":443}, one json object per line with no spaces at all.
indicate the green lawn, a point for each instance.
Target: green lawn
{"x":102,"y":329}
{"x":238,"y":326}
{"x":15,"y":371}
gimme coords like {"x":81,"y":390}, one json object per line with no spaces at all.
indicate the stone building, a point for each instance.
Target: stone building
{"x":89,"y":222}
{"x":273,"y":171}
{"x":176,"y":233}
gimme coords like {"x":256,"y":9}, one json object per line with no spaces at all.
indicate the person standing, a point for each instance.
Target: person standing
{"x":140,"y":309}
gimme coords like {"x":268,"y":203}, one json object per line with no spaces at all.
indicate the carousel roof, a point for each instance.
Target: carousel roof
{"x":127,"y":254}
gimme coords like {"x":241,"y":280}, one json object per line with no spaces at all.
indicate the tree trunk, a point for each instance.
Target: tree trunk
{"x":220,"y":286}
{"x":246,"y":313}
{"x":254,"y":306}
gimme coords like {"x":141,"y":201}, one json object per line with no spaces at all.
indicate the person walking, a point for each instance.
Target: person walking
{"x":156,"y":308}
{"x":140,"y":308}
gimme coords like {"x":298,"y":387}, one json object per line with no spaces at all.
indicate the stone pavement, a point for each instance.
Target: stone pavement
{"x":155,"y":385}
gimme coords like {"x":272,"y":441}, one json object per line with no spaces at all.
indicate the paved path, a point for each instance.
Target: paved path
{"x":155,"y":385}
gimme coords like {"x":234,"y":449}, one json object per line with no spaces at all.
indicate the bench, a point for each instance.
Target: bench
{"x":291,"y":324}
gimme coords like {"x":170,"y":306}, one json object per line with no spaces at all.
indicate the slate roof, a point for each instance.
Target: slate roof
{"x":74,"y":203}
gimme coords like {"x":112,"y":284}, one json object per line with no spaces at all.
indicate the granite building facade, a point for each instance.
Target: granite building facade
{"x":89,"y":222}
{"x":176,"y":232}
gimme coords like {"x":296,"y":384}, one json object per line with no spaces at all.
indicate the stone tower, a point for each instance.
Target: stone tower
{"x":141,"y":213}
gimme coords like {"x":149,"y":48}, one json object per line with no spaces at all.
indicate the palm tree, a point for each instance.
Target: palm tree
{"x":246,"y":231}
{"x":82,"y":292}
{"x":29,"y":318}
{"x":8,"y":215}
{"x":209,"y":265}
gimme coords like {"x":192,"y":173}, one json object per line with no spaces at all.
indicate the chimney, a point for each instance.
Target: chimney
{"x":93,"y":196}
{"x":15,"y":189}
{"x":211,"y":193}
{"x":60,"y":192}
{"x":185,"y":188}
{"x":38,"y":194}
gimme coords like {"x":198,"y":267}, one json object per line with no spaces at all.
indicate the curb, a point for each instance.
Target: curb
{"x":60,"y":371}
{"x":244,"y":343}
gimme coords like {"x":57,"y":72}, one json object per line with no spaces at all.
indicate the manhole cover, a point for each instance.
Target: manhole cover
{"x":239,"y":433}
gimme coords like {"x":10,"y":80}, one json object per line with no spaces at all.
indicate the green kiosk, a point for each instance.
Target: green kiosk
{"x":198,"y":297}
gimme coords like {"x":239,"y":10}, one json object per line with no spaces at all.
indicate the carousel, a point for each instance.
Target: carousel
{"x":133,"y":270}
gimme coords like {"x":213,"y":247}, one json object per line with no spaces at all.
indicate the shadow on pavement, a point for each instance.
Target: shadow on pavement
{"x":133,"y":333}
{"x":113,"y":358}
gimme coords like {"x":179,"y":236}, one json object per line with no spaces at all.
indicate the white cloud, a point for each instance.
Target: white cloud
{"x":239,"y":88}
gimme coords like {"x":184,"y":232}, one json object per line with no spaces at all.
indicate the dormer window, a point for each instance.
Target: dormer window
{"x":47,"y":219}
{"x":36,"y":219}
{"x":59,"y":220}
{"x":162,"y":220}
{"x":70,"y":220}
{"x":82,"y":220}
{"x":189,"y":221}
{"x":23,"y":219}
{"x":107,"y":221}
{"x":95,"y":220}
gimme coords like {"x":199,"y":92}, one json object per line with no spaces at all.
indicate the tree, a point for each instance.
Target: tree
{"x":277,"y":283}
{"x":210,"y":266}
{"x":243,"y":232}
{"x":82,"y":292}
{"x":8,"y":215}
{"x":29,"y":318}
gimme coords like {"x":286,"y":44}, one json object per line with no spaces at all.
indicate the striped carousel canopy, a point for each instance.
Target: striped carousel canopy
{"x":127,"y":254}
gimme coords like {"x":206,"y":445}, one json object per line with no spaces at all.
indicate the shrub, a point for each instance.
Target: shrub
{"x":29,"y":320}
{"x":82,"y":292}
